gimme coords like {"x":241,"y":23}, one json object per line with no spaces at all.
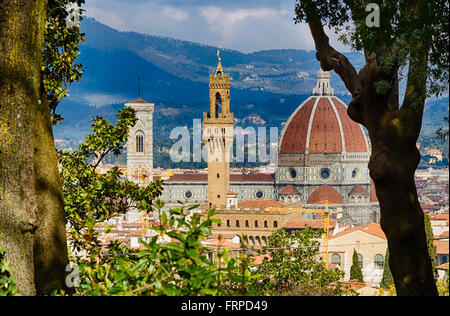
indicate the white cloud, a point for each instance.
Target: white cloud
{"x":214,"y":14}
{"x":247,"y":27}
{"x":175,"y":14}
{"x":102,"y":99}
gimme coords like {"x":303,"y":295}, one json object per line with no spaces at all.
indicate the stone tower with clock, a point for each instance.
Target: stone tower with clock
{"x":218,"y":136}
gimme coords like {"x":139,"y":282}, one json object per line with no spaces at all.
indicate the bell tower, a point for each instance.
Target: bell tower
{"x":140,"y":141}
{"x":218,"y":136}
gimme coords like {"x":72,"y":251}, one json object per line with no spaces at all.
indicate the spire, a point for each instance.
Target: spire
{"x":219,"y":69}
{"x":323,"y":84}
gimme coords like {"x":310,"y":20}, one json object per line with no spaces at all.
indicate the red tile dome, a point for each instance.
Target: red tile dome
{"x":325,"y":192}
{"x":321,"y":125}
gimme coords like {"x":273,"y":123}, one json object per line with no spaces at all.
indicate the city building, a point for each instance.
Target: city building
{"x":322,"y":155}
{"x":140,"y":140}
{"x":370,"y":244}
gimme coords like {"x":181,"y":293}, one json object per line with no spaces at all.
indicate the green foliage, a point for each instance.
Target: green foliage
{"x":179,"y":267}
{"x":60,"y":52}
{"x":90,"y":197}
{"x":173,"y":260}
{"x":355,"y":269}
{"x":7,"y":282}
{"x":432,"y":251}
{"x":443,"y":285}
{"x":295,"y":267}
{"x":387,"y":279}
{"x":406,"y":31}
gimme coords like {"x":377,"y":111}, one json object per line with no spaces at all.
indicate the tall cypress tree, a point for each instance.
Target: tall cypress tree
{"x":355,"y":269}
{"x":387,"y":279}
{"x":432,"y":252}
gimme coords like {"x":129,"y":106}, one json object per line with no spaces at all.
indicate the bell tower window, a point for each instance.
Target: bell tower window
{"x":139,"y":143}
{"x":218,"y":104}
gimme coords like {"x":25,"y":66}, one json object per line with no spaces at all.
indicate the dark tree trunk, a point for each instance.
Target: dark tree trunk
{"x":31,"y":213}
{"x":50,"y":245}
{"x":393,"y":133}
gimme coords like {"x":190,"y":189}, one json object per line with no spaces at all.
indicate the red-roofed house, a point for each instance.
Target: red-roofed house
{"x":369,"y":242}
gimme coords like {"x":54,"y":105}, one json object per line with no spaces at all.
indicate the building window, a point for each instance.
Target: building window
{"x":139,"y":143}
{"x":292,"y":174}
{"x":379,"y":261}
{"x":275,"y":224}
{"x":325,"y":173}
{"x":259,"y":194}
{"x":355,"y":174}
{"x":228,"y":223}
{"x":256,"y":223}
{"x":336,"y":259}
{"x":188,"y":194}
{"x":237,"y":223}
{"x":246,"y":223}
{"x":265,"y":223}
{"x":218,"y":176}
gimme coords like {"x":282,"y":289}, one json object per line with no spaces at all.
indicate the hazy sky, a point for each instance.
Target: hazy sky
{"x":244,"y":25}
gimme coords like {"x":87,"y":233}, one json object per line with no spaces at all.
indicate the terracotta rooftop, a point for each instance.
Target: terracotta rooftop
{"x":442,"y":247}
{"x":290,"y":189}
{"x":370,"y":228}
{"x":222,"y":243}
{"x":313,"y":223}
{"x":357,"y":189}
{"x":139,"y":100}
{"x":443,"y":266}
{"x":260,"y":203}
{"x":439,"y":217}
{"x":325,"y":192}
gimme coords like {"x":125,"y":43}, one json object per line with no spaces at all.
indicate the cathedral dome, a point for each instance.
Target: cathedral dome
{"x":320,"y":125}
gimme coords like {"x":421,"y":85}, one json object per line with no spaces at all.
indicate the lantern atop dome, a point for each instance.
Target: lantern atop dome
{"x":323,"y":87}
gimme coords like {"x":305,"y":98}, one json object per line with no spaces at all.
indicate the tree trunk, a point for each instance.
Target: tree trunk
{"x":31,"y":229}
{"x":392,"y":166}
{"x":50,"y":245}
{"x":393,"y":133}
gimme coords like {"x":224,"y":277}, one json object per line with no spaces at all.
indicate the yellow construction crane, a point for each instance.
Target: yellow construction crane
{"x":145,"y":174}
{"x":326,"y":216}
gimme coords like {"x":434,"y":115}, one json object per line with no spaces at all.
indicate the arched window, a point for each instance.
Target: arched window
{"x":336,"y":259}
{"x":275,"y":224}
{"x":140,"y":142}
{"x":379,"y":261}
{"x":257,"y":241}
{"x":218,"y":104}
{"x":264,"y":240}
